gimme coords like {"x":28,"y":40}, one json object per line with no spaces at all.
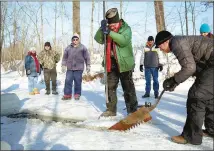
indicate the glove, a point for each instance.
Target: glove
{"x":88,"y":69}
{"x":63,"y":68}
{"x":141,"y":68}
{"x":28,"y":72}
{"x":104,"y":27}
{"x":160,"y":67}
{"x":170,"y":84}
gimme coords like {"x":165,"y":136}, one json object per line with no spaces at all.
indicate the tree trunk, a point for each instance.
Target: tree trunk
{"x":193,"y":17}
{"x":55,"y":26}
{"x":120,"y":8}
{"x":181,"y":23}
{"x":159,"y":15}
{"x":41,"y":46}
{"x":76,"y":17}
{"x":186,"y":18}
{"x":91,"y":30}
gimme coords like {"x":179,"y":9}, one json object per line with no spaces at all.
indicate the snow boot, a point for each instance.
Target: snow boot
{"x":31,"y":93}
{"x":108,"y":113}
{"x":36,"y":91}
{"x":47,"y":92}
{"x":67,"y":97}
{"x":179,"y":139}
{"x":146,"y":95}
{"x":156,"y":96}
{"x":77,"y":96}
{"x":54,"y":92}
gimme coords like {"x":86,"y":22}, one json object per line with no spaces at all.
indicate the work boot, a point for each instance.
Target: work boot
{"x":179,"y":139}
{"x":206,"y":134}
{"x":156,"y":96}
{"x":67,"y":97}
{"x":146,"y":95}
{"x":108,"y":113}
{"x":47,"y":92}
{"x":54,"y":92}
{"x":36,"y":91}
{"x":77,"y":96}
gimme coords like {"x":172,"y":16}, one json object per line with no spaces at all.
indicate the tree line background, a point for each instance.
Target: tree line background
{"x":23,"y":24}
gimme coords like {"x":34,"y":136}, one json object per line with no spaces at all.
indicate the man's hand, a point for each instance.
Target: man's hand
{"x":141,"y":68}
{"x":160,"y":67}
{"x":169,"y":84}
{"x":88,"y":69}
{"x":28,"y":72}
{"x":104,"y":27}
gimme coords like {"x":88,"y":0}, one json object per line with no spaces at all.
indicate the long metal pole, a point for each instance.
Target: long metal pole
{"x":105,"y":44}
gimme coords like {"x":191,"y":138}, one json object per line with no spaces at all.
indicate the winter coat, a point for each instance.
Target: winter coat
{"x":31,"y":65}
{"x":48,"y":58}
{"x":74,"y":57}
{"x":192,"y":52}
{"x":124,"y":50}
{"x":150,"y":57}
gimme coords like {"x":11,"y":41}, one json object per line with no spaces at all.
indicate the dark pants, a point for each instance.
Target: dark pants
{"x":71,"y":75}
{"x":127,"y":86}
{"x":154,"y":73}
{"x":50,"y":74}
{"x":200,"y":107}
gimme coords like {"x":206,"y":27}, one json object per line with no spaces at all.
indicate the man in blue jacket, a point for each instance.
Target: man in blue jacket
{"x":150,"y":58}
{"x":74,"y":57}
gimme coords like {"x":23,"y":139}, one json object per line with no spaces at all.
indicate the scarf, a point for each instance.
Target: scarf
{"x":34,"y":56}
{"x":108,"y":48}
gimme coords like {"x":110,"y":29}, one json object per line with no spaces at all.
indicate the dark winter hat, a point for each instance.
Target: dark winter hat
{"x":47,"y":44}
{"x":150,"y":38}
{"x":161,"y":37}
{"x":112,"y":16}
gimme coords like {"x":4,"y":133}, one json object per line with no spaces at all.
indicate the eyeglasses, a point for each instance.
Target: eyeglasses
{"x":75,"y":39}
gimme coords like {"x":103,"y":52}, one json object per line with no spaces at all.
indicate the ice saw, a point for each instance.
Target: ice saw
{"x":137,"y":117}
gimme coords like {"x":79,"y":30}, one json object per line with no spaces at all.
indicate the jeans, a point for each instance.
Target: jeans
{"x":154,"y":73}
{"x":32,"y":83}
{"x":76,"y":76}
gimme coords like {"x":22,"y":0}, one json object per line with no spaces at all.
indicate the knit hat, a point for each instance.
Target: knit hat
{"x":161,"y":37}
{"x":150,"y":38}
{"x":112,"y":16}
{"x":75,"y":36}
{"x":32,"y":49}
{"x":47,"y":44}
{"x":205,"y":28}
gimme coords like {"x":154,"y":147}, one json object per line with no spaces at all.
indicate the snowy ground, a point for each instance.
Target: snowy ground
{"x":168,"y":119}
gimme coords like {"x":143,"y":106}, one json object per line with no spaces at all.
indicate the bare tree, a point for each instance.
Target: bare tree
{"x":41,"y":46}
{"x":159,"y":15}
{"x":76,"y":17}
{"x":208,"y":4}
{"x":91,"y":29}
{"x":120,"y":8}
{"x":186,"y":18}
{"x":181,"y":22}
{"x":192,"y":7}
{"x":55,"y":26}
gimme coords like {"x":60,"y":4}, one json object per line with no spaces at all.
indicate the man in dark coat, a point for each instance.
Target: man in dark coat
{"x":196,"y":57}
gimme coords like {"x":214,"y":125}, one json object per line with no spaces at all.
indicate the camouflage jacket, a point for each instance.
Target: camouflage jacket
{"x":48,"y":58}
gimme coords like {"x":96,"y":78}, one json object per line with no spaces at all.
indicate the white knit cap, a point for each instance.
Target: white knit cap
{"x":32,"y":49}
{"x":76,"y":35}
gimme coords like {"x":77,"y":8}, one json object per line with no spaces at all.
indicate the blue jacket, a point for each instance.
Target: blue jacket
{"x":75,"y":57}
{"x":30,"y":65}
